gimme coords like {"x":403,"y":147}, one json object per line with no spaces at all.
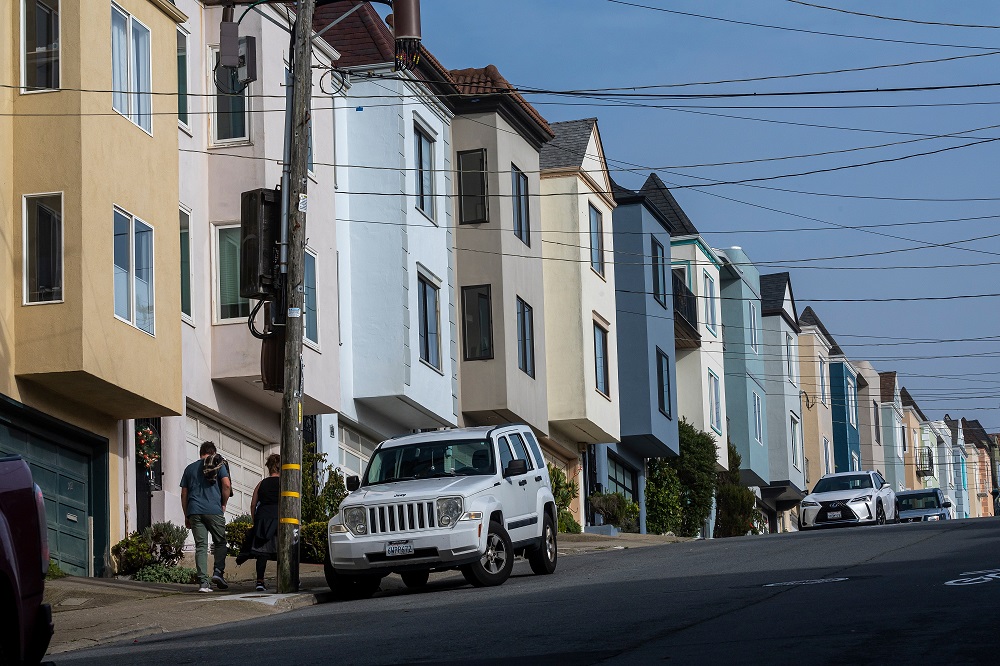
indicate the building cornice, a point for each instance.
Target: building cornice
{"x":170,"y":9}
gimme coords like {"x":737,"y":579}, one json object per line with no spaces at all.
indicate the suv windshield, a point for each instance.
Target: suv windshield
{"x":431,"y":459}
{"x":834,"y":484}
{"x":917,"y":501}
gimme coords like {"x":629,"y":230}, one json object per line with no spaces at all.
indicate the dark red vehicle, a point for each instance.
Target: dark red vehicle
{"x":25,"y":622}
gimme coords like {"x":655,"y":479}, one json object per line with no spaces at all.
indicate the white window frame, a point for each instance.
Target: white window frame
{"x":711,"y":318}
{"x":131,"y":95}
{"x":793,"y":427}
{"x":790,"y":357}
{"x":189,"y":318}
{"x":185,"y":124}
{"x":758,"y":418}
{"x":420,"y":128}
{"x":828,"y":465}
{"x":434,"y":284}
{"x":822,"y":379}
{"x":131,"y":271}
{"x":855,"y":462}
{"x":217,"y":317}
{"x":213,"y":141}
{"x":313,"y":344}
{"x":754,"y":339}
{"x":852,"y":402}
{"x":24,"y":245}
{"x":714,"y":401}
{"x":24,"y":56}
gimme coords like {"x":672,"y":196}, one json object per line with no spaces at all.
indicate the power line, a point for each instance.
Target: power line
{"x":893,"y":18}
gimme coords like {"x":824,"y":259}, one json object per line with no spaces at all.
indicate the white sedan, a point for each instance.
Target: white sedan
{"x":849,"y":498}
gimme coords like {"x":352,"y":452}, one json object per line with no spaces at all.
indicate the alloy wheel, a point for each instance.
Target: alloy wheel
{"x":495,"y":557}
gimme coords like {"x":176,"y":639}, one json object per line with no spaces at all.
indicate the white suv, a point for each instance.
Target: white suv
{"x":470,"y":499}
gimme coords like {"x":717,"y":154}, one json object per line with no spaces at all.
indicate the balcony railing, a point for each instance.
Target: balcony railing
{"x":685,"y":315}
{"x":925,"y":462}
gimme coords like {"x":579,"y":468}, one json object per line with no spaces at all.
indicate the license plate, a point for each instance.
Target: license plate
{"x":396,"y":549}
{"x":833,"y":515}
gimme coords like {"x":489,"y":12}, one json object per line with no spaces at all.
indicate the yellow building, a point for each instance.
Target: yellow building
{"x":89,"y":254}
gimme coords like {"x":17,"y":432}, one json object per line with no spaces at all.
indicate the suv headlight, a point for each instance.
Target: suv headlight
{"x":863,"y":498}
{"x":356,"y":519}
{"x":810,"y":503}
{"x":449,"y":509}
{"x":934,"y":517}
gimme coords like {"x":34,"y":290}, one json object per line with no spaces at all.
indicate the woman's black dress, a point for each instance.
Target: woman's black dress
{"x":262,"y":540}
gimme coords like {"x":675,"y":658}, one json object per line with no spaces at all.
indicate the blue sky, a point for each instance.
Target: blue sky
{"x":563,"y":44}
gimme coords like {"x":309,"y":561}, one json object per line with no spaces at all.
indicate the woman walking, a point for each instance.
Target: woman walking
{"x":261,"y":542}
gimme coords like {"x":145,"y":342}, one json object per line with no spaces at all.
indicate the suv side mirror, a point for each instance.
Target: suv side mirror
{"x":516,"y":468}
{"x":946,"y":504}
{"x":884,"y":484}
{"x":353,"y":483}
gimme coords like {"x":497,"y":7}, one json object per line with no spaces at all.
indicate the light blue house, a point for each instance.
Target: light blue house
{"x":893,"y":431}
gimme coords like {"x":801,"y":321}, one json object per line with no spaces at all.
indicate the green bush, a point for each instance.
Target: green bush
{"x":567,"y":523}
{"x":736,"y":505}
{"x":166,"y":541}
{"x":236,"y":531}
{"x":663,"y":497}
{"x":54,"y":571}
{"x":696,"y":472}
{"x":313,"y":542}
{"x":563,"y":490}
{"x":164,"y":573}
{"x":132,"y":553}
{"x":617,"y":510}
{"x":320,"y":503}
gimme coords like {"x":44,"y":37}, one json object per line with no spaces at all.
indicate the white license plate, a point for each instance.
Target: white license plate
{"x":833,"y":515}
{"x":396,"y":549}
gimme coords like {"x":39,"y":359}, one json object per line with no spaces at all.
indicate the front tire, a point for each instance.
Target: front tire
{"x":494,"y":567}
{"x":543,"y":558}
{"x":879,"y":514}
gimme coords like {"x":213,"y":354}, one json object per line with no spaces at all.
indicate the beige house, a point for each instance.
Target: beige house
{"x":581,"y":357}
{"x":90,"y":329}
{"x":815,"y":348}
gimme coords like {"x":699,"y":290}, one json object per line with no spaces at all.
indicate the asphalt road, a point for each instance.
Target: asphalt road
{"x":876,"y":596}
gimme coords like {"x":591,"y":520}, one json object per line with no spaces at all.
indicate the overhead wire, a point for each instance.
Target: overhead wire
{"x":893,"y":18}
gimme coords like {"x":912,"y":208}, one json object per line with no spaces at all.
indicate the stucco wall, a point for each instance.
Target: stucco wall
{"x":783,"y":402}
{"x":817,"y":416}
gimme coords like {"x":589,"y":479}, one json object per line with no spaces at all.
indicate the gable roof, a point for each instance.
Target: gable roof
{"x":663,"y":201}
{"x":810,"y":318}
{"x":624,"y":196}
{"x":975,"y":432}
{"x":489,"y":82}
{"x":362,"y":38}
{"x":908,"y":401}
{"x":773,"y":287}
{"x":887,"y":388}
{"x":569,"y":147}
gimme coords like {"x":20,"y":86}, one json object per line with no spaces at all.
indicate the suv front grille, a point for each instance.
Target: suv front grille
{"x":839,"y":505}
{"x":401,"y":517}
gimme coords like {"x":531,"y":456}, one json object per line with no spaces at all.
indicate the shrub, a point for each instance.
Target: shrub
{"x":132,"y":553}
{"x":563,"y":490}
{"x":166,"y":541}
{"x":567,"y":523}
{"x":164,"y":573}
{"x":313,"y":542}
{"x":736,"y":505}
{"x":695,"y":468}
{"x":320,"y":503}
{"x":617,"y":510}
{"x":663,"y":497}
{"x":236,"y":531}
{"x":54,"y":571}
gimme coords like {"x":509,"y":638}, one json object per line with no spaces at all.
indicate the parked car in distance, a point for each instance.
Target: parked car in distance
{"x":24,"y":561}
{"x":848,"y":498}
{"x":916,"y":506}
{"x":469,"y":499}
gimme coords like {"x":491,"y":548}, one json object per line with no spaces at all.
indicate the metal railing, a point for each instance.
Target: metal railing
{"x":685,"y":302}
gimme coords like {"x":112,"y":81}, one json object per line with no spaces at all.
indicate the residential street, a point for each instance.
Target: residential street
{"x":885,"y":600}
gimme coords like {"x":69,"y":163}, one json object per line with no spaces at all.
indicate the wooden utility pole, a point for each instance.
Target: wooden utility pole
{"x":290,"y":506}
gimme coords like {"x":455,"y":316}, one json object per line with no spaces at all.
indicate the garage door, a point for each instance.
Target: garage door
{"x":63,"y":474}
{"x":244,"y":453}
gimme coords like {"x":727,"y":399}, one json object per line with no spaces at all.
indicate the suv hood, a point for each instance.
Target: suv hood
{"x":838,"y":495}
{"x":420,"y":489}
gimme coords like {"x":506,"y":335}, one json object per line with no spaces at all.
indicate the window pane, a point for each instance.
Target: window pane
{"x":41,"y":44}
{"x":43,"y":239}
{"x":663,"y":381}
{"x":519,"y":188}
{"x":142,"y":99}
{"x":525,"y":338}
{"x":230,"y":113}
{"x":310,"y":302}
{"x":182,"y":78}
{"x":429,"y":343}
{"x":231,"y":306}
{"x":601,"y":359}
{"x":185,"y":221}
{"x":478,"y":331}
{"x":659,"y":273}
{"x":123,"y":288}
{"x":472,"y":187}
{"x":144,"y":276}
{"x":119,"y":62}
{"x":596,"y":241}
{"x":424,"y":173}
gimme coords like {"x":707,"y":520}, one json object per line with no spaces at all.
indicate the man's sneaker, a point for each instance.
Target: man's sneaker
{"x":260,"y":586}
{"x":219,"y":581}
{"x":205,"y":587}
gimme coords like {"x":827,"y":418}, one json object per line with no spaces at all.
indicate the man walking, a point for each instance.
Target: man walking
{"x":205,"y":489}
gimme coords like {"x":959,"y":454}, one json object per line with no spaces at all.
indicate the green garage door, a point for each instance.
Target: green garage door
{"x":64,"y":475}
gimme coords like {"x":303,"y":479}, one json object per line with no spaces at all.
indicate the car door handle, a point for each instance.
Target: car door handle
{"x":522,"y":482}
{"x":538,"y":478}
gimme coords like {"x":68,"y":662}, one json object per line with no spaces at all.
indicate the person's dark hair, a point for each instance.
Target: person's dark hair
{"x":207,"y":449}
{"x":273,"y":463}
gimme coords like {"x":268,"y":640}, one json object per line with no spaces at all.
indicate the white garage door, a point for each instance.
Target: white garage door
{"x":244,"y":454}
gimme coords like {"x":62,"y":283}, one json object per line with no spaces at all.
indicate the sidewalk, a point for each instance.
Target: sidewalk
{"x":94,"y":611}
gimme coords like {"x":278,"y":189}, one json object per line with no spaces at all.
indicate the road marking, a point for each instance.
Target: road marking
{"x":977,"y":577}
{"x":815,"y":581}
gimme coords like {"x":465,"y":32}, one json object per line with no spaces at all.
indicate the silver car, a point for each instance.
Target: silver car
{"x":917,"y":506}
{"x":849,"y":498}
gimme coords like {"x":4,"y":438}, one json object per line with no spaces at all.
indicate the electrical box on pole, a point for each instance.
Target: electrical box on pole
{"x":260,"y":217}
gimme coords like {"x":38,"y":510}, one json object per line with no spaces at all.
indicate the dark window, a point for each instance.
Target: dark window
{"x":520,"y":450}
{"x":525,"y":338}
{"x":505,"y":455}
{"x":182,"y":77}
{"x":477,"y":323}
{"x":472,"y":187}
{"x":621,"y":478}
{"x":601,"y":359}
{"x":423,"y":159}
{"x":663,"y":381}
{"x":43,"y":248}
{"x":902,"y":434}
{"x":534,"y":449}
{"x":41,"y":44}
{"x":185,"y":220}
{"x":430,"y":348}
{"x":659,"y":273}
{"x":878,"y":435}
{"x":596,"y":240}
{"x":519,"y":190}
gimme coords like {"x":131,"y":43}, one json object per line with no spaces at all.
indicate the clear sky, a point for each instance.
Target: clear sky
{"x":576,"y":44}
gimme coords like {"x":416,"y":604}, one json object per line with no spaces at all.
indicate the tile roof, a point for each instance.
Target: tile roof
{"x":887,"y":386}
{"x":659,"y":197}
{"x":488,"y":81}
{"x":569,"y":147}
{"x":810,"y":318}
{"x":908,"y":401}
{"x":362,"y":38}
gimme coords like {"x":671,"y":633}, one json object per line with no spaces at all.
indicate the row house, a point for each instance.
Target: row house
{"x":944,"y":463}
{"x":912,"y":418}
{"x":815,"y":349}
{"x":873,"y":454}
{"x":980,"y":469}
{"x":926,"y":442}
{"x":893,"y":431}
{"x":90,"y":318}
{"x":958,"y":473}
